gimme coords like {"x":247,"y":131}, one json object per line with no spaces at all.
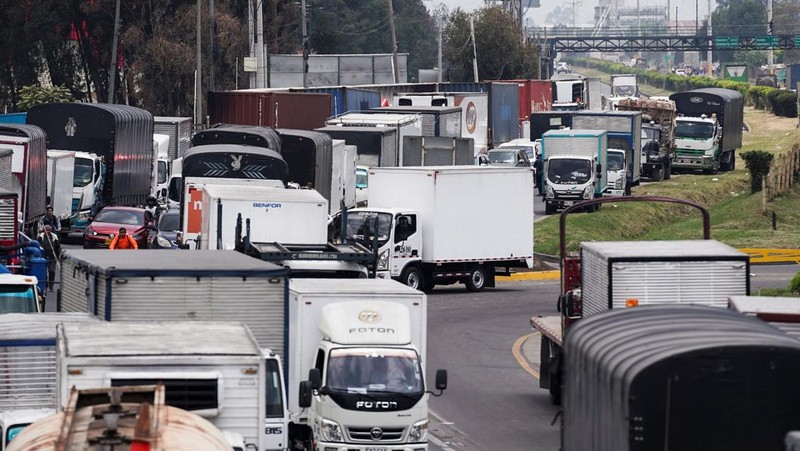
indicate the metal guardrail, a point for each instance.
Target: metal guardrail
{"x":773,"y":255}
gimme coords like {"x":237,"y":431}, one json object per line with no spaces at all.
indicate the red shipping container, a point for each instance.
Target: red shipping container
{"x":301,"y":111}
{"x":534,"y":95}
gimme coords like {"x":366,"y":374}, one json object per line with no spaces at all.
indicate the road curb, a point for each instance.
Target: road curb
{"x":532,"y":275}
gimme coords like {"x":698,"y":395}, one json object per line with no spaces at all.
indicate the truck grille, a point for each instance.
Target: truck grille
{"x":365,"y":434}
{"x":690,"y":153}
{"x":8,"y":217}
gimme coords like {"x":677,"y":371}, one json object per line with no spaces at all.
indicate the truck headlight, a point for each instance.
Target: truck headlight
{"x":163,"y":242}
{"x":653,"y":157}
{"x":588,"y":192}
{"x":330,"y":431}
{"x":418,"y":432}
{"x":383,"y":260}
{"x":549,"y":193}
{"x":618,"y":183}
{"x":84,"y":215}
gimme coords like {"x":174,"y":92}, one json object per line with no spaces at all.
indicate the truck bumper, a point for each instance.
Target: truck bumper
{"x":613,"y":192}
{"x":325,"y":446}
{"x":691,"y":162}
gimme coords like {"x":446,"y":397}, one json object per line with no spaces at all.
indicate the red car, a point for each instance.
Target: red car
{"x":107,"y":223}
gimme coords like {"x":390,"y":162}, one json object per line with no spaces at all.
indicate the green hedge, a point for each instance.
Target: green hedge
{"x":778,"y":101}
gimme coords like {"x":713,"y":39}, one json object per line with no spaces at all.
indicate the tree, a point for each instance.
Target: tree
{"x":500,"y":48}
{"x":738,"y":18}
{"x":785,"y":14}
{"x":30,"y":96}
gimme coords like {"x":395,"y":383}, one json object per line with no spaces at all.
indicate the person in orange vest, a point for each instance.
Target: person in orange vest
{"x":123,"y":241}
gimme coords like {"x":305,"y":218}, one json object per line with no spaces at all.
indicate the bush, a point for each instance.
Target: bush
{"x":794,"y":284}
{"x":757,"y":162}
{"x":783,"y":103}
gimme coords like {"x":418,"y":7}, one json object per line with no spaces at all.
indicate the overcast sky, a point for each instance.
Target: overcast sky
{"x":686,"y":8}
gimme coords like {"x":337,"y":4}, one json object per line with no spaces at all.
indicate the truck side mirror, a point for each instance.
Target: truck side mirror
{"x":315,"y":378}
{"x":571,"y":305}
{"x":304,"y":394}
{"x":441,"y":379}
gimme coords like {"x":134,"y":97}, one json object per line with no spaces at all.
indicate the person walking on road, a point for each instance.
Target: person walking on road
{"x":49,"y":219}
{"x":52,"y":251}
{"x":123,"y":241}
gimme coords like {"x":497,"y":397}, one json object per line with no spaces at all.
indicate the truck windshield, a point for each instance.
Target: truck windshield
{"x":696,"y":130}
{"x":616,"y":161}
{"x":359,"y":370}
{"x":361,"y":227}
{"x":13,"y":431}
{"x":503,"y":157}
{"x":83,"y":172}
{"x":17,"y":299}
{"x":569,"y":172}
{"x":162,"y":171}
{"x":624,"y":90}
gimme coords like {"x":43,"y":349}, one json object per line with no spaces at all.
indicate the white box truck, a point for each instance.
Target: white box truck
{"x":165,"y":285}
{"x":60,"y":175}
{"x":28,"y":368}
{"x":343,"y":177}
{"x":361,"y":343}
{"x":216,"y":370}
{"x":446,"y":224}
{"x":405,"y":124}
{"x":574,"y":167}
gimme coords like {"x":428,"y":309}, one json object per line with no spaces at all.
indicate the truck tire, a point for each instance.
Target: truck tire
{"x":727,"y":162}
{"x":412,"y":277}
{"x":667,"y":170}
{"x":476,"y":280}
{"x":549,"y":209}
{"x":428,"y":286}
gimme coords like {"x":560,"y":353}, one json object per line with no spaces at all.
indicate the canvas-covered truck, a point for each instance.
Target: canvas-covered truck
{"x":708,"y":129}
{"x":28,"y":368}
{"x":658,"y":135}
{"x":358,"y":346}
{"x":609,"y":275}
{"x":574,"y":167}
{"x":117,"y":164}
{"x":682,"y":377}
{"x":29,"y":168}
{"x":425,"y":237}
{"x":165,"y":285}
{"x":624,"y":133}
{"x":213,"y":369}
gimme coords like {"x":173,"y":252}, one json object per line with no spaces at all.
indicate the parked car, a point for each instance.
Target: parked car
{"x":509,"y":156}
{"x":167,"y":234}
{"x":105,"y":226}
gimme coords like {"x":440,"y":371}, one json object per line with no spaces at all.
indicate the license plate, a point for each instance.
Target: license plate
{"x":568,"y":203}
{"x":376,"y":449}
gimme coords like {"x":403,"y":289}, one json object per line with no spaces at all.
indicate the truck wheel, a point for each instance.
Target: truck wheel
{"x":549,"y":209}
{"x":412,"y":277}
{"x":428,"y":286}
{"x":476,"y":280}
{"x":667,"y":170}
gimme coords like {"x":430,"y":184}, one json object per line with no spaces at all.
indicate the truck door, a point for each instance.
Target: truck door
{"x":407,"y":242}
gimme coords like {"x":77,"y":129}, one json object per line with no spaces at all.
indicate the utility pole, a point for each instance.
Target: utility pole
{"x":574,"y":4}
{"x":212,"y":30}
{"x":474,"y":48}
{"x":251,"y":40}
{"x":394,"y":44}
{"x":638,"y":18}
{"x":696,"y":16}
{"x":709,"y":66}
{"x":305,"y":45}
{"x":198,"y":76}
{"x":439,"y":57}
{"x":260,"y":63}
{"x":770,"y":26}
{"x":112,"y":70}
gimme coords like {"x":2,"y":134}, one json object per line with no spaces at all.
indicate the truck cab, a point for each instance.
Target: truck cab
{"x":617,"y":179}
{"x":368,"y":378}
{"x":86,"y":186}
{"x":20,"y":294}
{"x":575,"y":167}
{"x":697,"y":142}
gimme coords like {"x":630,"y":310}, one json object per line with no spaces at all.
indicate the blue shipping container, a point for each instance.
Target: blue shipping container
{"x":463,"y":87}
{"x":344,"y":99}
{"x":504,"y":117}
{"x":13,"y":118}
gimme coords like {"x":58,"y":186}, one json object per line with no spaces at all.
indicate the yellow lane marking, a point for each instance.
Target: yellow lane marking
{"x":517,"y":351}
{"x":532,"y":275}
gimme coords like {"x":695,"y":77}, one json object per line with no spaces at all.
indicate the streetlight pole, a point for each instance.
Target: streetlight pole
{"x":198,"y":76}
{"x":112,"y":71}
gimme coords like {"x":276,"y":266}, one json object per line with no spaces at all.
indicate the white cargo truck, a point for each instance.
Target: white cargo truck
{"x":361,"y":343}
{"x":446,"y":224}
{"x":575,"y":167}
{"x":406,"y":124}
{"x":343,"y":175}
{"x":165,"y":285}
{"x":215,"y":370}
{"x":60,"y":175}
{"x":28,"y":368}
{"x":159,"y":180}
